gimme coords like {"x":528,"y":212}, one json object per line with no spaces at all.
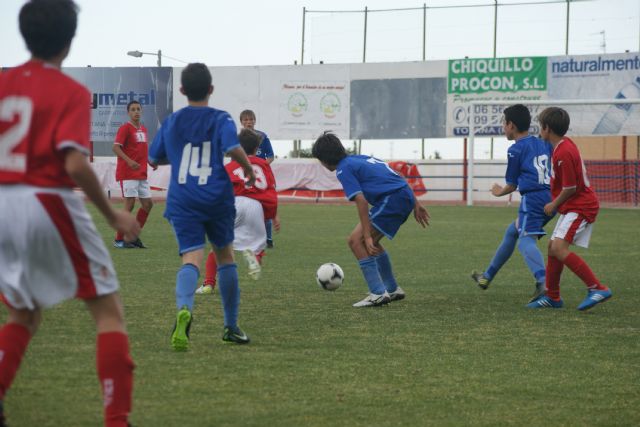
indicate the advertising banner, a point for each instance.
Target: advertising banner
{"x":615,"y":76}
{"x":113,"y":88}
{"x":313,"y":106}
{"x":499,"y":79}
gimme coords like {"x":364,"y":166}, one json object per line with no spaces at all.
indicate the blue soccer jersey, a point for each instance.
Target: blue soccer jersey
{"x":529,"y":164}
{"x":369,"y":176}
{"x":193,"y":140}
{"x":265,"y":150}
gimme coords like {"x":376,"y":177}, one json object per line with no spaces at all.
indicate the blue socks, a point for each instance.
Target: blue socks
{"x":370,"y":272}
{"x":533,"y":257}
{"x":186,"y":284}
{"x":386,"y":272}
{"x":504,"y":252}
{"x":229,"y":293}
{"x":268,"y":225}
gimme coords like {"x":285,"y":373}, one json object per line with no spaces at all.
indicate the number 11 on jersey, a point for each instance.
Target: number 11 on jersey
{"x":194,"y":164}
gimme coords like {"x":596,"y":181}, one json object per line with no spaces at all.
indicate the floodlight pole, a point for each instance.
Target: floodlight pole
{"x":364,"y":49}
{"x":304,"y":16}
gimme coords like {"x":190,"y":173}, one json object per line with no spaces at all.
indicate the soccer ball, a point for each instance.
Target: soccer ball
{"x":329,"y":276}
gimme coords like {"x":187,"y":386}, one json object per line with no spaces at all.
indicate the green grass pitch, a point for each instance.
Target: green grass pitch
{"x":449,"y":354}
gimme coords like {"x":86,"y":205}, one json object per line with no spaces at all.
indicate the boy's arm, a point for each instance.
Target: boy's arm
{"x":363,"y":213}
{"x":564,"y":195}
{"x":79,"y":169}
{"x":499,"y":191}
{"x":118,"y":151}
{"x":240,"y":156}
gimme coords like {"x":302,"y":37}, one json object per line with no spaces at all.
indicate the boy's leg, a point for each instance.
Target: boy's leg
{"x":230,"y":295}
{"x":186,"y":284}
{"x":113,"y":360}
{"x":210,"y":273}
{"x":268,"y":224}
{"x":129,"y":204}
{"x":503,"y":253}
{"x":377,"y":292}
{"x":14,"y":339}
{"x":386,"y":274}
{"x":528,"y":247}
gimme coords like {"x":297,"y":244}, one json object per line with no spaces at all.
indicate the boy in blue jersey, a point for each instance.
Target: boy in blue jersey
{"x":369,"y":181}
{"x":200,"y":200}
{"x":529,"y":171}
{"x":265,"y":151}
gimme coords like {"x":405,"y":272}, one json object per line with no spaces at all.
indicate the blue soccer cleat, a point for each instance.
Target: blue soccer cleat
{"x":545,"y":302}
{"x":594,"y":297}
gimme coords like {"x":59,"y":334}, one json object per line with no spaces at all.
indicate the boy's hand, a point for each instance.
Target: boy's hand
{"x":134,"y":165}
{"x":127,"y":224}
{"x":154,"y":166}
{"x":250,"y":177}
{"x":549,"y":209}
{"x":372,"y":248}
{"x":421,"y":215}
{"x":496,"y":190}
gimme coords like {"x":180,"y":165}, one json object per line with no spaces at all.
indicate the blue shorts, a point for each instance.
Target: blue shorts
{"x":394,"y":209}
{"x":190,"y":233}
{"x":531,"y":216}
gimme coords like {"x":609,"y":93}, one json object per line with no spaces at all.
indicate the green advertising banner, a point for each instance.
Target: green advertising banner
{"x":480,"y":75}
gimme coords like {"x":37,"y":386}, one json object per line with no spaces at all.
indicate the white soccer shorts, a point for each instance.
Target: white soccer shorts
{"x":136,"y":188}
{"x":50,"y":250}
{"x":574,"y":229}
{"x":249,"y":229}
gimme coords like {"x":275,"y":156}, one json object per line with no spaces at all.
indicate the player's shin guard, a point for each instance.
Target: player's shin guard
{"x":229,"y":293}
{"x":582,"y":270}
{"x":115,"y":371}
{"x":554,"y":271}
{"x":386,"y":272}
{"x":504,"y":251}
{"x":370,"y":272}
{"x":14,"y":339}
{"x":186,"y":284}
{"x":210,"y":270}
{"x":532,"y":257}
{"x":141,"y":217}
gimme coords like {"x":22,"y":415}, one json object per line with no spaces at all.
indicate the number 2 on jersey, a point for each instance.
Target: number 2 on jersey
{"x":9,"y":107}
{"x":195,"y":163}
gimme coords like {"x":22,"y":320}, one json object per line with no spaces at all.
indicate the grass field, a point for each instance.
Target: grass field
{"x":449,"y":354}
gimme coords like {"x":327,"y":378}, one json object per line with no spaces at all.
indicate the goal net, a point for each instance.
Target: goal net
{"x":616,"y":179}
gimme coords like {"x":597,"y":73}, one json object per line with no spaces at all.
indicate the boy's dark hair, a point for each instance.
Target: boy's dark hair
{"x":131,"y":103}
{"x":249,"y":140}
{"x":196,"y":81}
{"x":519,"y":115}
{"x":48,"y":26}
{"x":328,"y":149}
{"x":247,"y":113}
{"x":556,"y":119}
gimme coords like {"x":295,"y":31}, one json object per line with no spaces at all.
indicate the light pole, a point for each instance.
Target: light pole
{"x":138,"y":54}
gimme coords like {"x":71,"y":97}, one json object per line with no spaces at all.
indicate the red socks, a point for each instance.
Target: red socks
{"x":141,"y":217}
{"x":582,"y":270}
{"x":554,"y":270}
{"x":14,"y":339}
{"x":211,"y":269}
{"x":260,"y":255}
{"x":577,"y":266}
{"x":115,"y":371}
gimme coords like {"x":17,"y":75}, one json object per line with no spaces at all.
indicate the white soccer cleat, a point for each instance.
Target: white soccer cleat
{"x":397,"y":295}
{"x":374,"y":300}
{"x":204,"y":290}
{"x":252,"y":264}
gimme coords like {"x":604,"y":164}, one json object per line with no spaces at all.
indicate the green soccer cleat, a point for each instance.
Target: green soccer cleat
{"x":480,"y":280}
{"x":235,"y":335}
{"x":180,"y":334}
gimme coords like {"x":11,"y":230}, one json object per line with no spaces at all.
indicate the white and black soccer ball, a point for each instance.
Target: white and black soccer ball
{"x":329,"y":276}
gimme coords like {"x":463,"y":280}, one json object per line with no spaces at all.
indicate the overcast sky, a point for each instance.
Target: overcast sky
{"x":254,"y":32}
